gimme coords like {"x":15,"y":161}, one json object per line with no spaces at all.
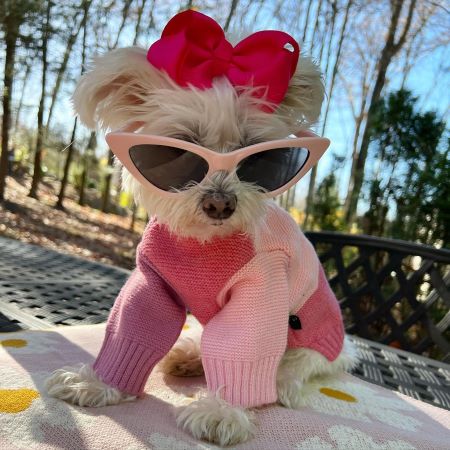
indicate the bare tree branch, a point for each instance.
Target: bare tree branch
{"x":231,"y":12}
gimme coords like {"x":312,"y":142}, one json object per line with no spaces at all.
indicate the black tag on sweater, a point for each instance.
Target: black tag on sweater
{"x":294,"y":322}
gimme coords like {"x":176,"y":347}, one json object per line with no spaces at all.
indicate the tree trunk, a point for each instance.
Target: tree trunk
{"x":83,"y":181}
{"x":310,"y":198}
{"x":330,"y":42}
{"x":133,"y":216}
{"x":359,"y":115}
{"x":125,"y":11}
{"x":62,"y":190}
{"x":411,"y":54}
{"x":336,"y":64}
{"x":358,"y":124}
{"x":327,"y":28}
{"x":390,"y":49}
{"x":107,"y":188}
{"x":305,"y":26}
{"x":233,"y":7}
{"x":37,"y":174}
{"x":8,"y":78}
{"x":63,"y":66}
{"x":22,"y":95}
{"x":291,"y":196}
{"x":86,"y":162}
{"x":137,"y":30}
{"x":316,"y":25}
{"x":312,"y":178}
{"x":60,"y":202}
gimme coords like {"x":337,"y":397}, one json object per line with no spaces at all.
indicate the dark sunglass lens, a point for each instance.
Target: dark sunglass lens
{"x":273,"y":169}
{"x":168,"y":168}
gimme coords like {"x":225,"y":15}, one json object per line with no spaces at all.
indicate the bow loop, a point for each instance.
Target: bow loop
{"x":193,"y":51}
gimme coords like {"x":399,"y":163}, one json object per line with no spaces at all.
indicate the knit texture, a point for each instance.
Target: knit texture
{"x":377,"y":419}
{"x":242,"y":289}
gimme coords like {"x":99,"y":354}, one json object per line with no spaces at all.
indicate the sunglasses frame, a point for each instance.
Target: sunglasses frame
{"x":120,"y":143}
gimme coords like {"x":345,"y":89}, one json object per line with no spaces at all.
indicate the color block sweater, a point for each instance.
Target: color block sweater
{"x":255,"y":295}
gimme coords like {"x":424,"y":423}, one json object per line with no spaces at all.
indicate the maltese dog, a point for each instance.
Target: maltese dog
{"x":207,"y":133}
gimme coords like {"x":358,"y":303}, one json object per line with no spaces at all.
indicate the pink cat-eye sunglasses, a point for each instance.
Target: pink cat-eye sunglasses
{"x":170,"y":166}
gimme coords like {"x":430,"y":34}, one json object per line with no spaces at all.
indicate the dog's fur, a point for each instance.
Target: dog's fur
{"x":123,"y":88}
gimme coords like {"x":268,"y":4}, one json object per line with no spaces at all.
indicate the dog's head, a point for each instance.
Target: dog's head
{"x":122,"y":87}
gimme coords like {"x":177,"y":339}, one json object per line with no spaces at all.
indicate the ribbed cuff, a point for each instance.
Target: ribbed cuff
{"x":125,"y":364}
{"x":329,"y":345}
{"x":243,"y":383}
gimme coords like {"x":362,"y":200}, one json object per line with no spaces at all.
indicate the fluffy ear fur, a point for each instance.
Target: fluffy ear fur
{"x":304,"y":97}
{"x":116,"y":88}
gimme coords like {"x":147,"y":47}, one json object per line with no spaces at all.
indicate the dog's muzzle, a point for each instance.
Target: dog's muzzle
{"x":219,"y":205}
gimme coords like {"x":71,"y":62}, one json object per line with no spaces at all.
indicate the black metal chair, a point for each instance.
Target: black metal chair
{"x":390,"y":291}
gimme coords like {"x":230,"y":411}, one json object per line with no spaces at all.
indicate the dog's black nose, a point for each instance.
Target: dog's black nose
{"x":219,"y":205}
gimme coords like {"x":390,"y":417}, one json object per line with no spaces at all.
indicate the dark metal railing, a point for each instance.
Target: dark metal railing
{"x":390,"y":291}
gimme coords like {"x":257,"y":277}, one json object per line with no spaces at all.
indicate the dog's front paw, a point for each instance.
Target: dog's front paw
{"x":184,"y":360}
{"x":290,"y":393}
{"x":81,"y":386}
{"x":214,"y":420}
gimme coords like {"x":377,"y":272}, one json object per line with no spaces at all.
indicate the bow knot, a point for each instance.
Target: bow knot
{"x":193,"y":51}
{"x":221,"y":58}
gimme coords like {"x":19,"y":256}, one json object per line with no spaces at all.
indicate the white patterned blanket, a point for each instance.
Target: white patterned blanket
{"x":344,"y":413}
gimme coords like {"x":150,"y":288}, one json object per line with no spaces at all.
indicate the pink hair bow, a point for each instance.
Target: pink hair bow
{"x":193,"y":51}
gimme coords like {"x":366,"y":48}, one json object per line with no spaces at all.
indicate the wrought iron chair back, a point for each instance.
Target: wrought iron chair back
{"x":390,"y":291}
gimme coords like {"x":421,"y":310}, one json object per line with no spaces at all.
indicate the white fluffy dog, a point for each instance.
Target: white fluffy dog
{"x":123,"y":88}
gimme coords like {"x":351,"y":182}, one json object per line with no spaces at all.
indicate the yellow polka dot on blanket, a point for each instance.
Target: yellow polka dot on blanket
{"x":338,"y":395}
{"x":17,"y":343}
{"x":186,"y":327}
{"x":16,"y":400}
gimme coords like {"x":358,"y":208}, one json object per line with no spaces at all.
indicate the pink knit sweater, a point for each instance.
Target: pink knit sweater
{"x":244,"y":290}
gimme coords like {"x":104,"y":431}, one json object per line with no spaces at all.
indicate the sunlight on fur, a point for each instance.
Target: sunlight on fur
{"x":213,"y":419}
{"x":298,"y":366}
{"x":80,"y":385}
{"x":184,"y":360}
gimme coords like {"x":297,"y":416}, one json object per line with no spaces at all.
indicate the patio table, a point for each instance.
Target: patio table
{"x":42,"y":289}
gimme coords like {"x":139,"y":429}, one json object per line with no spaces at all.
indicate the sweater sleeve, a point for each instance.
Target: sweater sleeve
{"x":322,"y":328}
{"x":143,"y":325}
{"x":243,"y":344}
